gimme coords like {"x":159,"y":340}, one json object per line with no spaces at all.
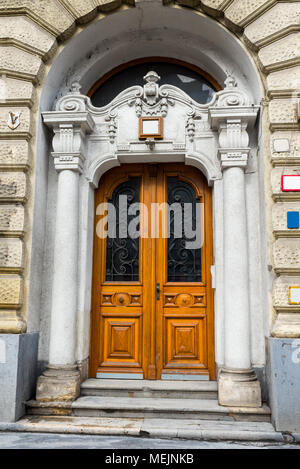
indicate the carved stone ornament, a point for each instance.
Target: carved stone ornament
{"x":14,"y":120}
{"x":232,"y":115}
{"x":70,"y":122}
{"x":151,"y":100}
{"x":74,"y":101}
{"x":231,"y":96}
{"x":112,"y":126}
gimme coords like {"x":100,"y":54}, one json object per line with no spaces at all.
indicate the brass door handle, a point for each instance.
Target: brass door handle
{"x":158,"y":291}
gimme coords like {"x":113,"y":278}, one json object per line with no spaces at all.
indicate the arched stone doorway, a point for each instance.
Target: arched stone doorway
{"x":91,"y":140}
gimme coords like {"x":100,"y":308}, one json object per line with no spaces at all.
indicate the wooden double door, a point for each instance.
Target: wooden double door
{"x":152,"y":313}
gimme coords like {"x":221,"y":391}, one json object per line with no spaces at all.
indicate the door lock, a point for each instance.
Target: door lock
{"x":158,"y":291}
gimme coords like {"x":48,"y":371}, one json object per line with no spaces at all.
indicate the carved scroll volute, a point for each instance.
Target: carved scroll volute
{"x":74,"y":101}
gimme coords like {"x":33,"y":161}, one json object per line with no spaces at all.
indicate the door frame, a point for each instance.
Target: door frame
{"x":155,"y":320}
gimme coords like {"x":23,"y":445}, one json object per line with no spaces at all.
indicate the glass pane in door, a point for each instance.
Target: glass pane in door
{"x":184,"y":263}
{"x":122,"y":249}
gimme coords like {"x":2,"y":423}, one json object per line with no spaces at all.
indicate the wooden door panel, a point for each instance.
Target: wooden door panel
{"x":184,"y":300}
{"x":185,"y":308}
{"x":136,"y":331}
{"x":185,"y":344}
{"x":122,"y":337}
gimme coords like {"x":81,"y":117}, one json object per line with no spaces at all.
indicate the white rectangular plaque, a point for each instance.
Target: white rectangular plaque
{"x":290,"y":182}
{"x":151,"y":127}
{"x":281,"y":145}
{"x":294,"y":295}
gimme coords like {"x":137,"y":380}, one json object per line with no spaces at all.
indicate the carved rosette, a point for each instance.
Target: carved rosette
{"x":186,"y":300}
{"x":121,"y":299}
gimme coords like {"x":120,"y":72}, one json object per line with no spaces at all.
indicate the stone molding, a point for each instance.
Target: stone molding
{"x":70,"y":122}
{"x":232,"y":115}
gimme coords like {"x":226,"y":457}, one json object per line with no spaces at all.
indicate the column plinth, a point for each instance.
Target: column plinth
{"x":239,"y":388}
{"x":58,"y":383}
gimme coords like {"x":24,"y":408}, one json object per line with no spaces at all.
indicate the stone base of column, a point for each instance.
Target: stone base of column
{"x":58,"y":383}
{"x":239,"y":388}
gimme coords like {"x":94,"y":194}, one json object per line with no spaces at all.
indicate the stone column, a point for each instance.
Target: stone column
{"x":232,"y":115}
{"x":61,"y":379}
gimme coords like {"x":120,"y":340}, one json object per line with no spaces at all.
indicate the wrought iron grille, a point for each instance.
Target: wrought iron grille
{"x":184,"y":265}
{"x":122,"y":251}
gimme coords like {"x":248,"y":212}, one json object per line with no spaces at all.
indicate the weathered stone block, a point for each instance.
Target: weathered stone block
{"x":48,"y":12}
{"x":14,"y":152}
{"x":107,"y":5}
{"x":242,"y":10}
{"x":18,"y":358}
{"x":280,"y":53}
{"x":288,"y":79}
{"x":25,"y":31}
{"x":273,"y":22}
{"x":286,"y":254}
{"x":11,"y":253}
{"x":282,"y":111}
{"x":17,"y":61}
{"x":80,"y":8}
{"x":13,"y":186}
{"x":215,"y":4}
{"x":11,"y":322}
{"x":12,"y":218}
{"x":13,"y":90}
{"x":11,"y":291}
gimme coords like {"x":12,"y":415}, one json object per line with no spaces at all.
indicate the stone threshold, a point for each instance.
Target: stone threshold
{"x":152,"y":428}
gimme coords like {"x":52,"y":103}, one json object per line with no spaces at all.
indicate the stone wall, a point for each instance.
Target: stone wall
{"x":31,"y":32}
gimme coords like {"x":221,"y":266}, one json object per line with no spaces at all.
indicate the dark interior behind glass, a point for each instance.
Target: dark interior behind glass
{"x":197,"y":87}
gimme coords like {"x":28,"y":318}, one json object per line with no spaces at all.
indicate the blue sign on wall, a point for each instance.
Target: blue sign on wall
{"x":293,"y":220}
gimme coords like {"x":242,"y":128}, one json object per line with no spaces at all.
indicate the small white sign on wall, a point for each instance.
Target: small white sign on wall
{"x":2,"y":351}
{"x":281,"y":145}
{"x":290,"y":182}
{"x":294,"y":295}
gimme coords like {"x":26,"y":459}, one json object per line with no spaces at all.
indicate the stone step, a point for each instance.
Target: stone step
{"x":150,"y":388}
{"x":161,"y":408}
{"x":151,"y":428}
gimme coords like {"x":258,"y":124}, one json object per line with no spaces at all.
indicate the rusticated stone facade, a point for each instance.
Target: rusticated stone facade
{"x":31,"y":32}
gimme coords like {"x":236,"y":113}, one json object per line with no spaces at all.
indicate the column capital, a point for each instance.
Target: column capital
{"x":70,"y":122}
{"x":232,"y":115}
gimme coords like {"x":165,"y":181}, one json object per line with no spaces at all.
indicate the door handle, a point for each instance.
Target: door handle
{"x":158,"y":291}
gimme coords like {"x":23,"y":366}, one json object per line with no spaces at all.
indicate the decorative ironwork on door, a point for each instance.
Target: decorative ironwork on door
{"x":122,"y":250}
{"x":184,"y":265}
